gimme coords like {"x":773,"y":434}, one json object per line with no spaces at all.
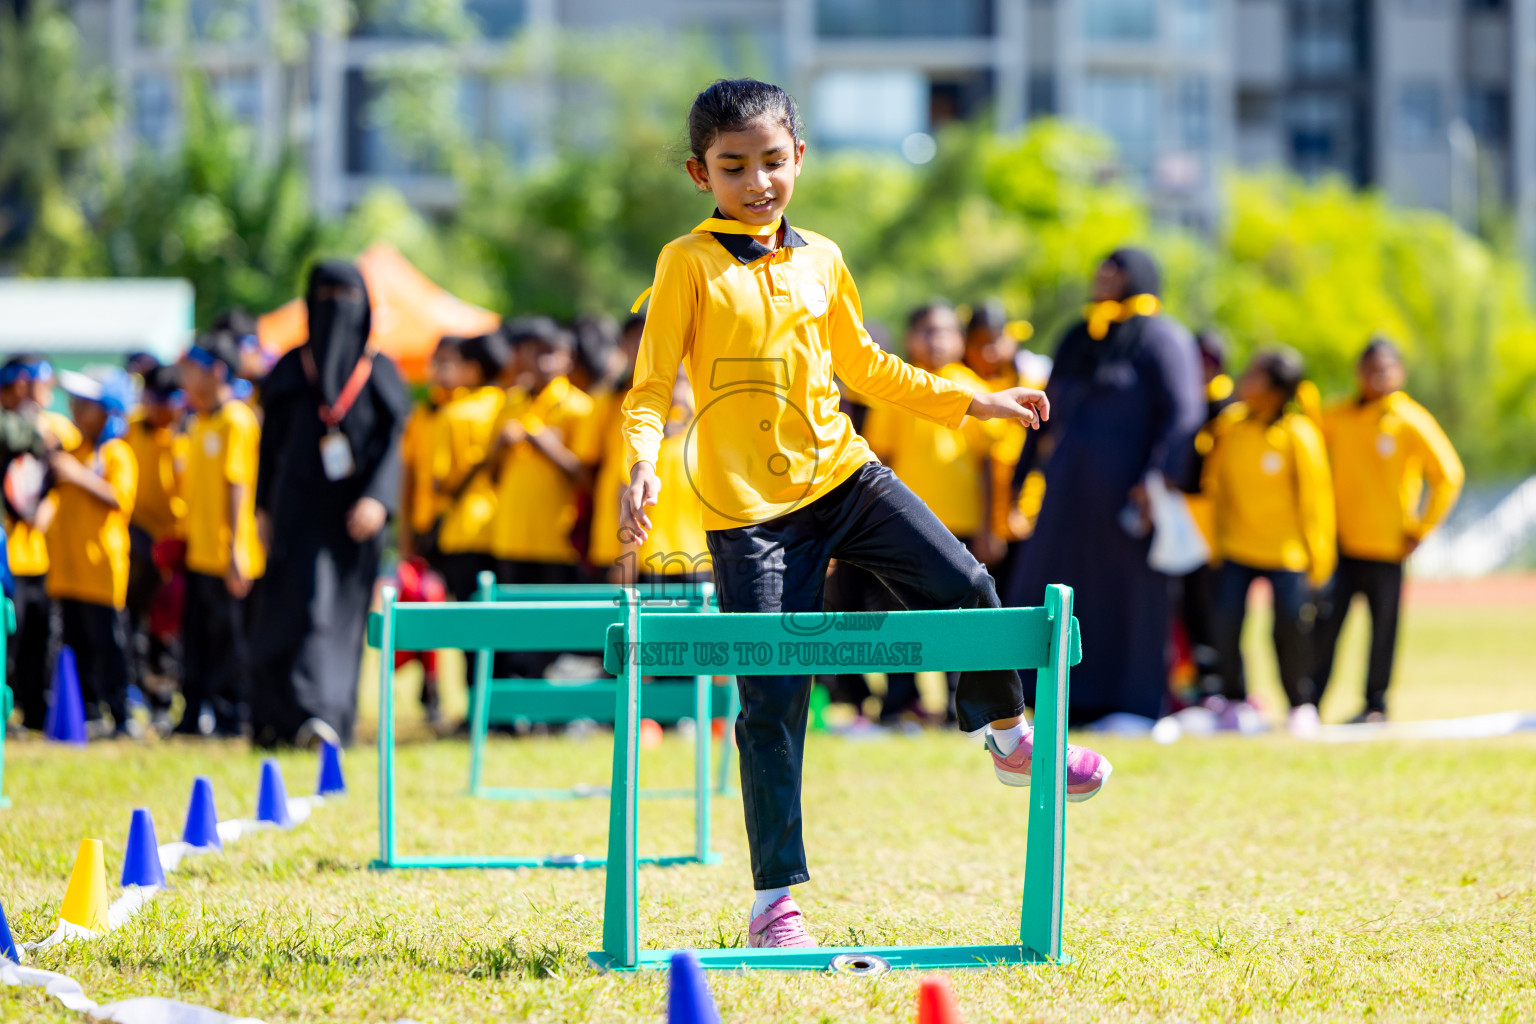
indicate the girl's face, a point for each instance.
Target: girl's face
{"x":90,"y":417}
{"x":751,"y":172}
{"x":934,"y":341}
{"x":1380,"y":374}
{"x":988,"y":350}
{"x":1255,"y":390}
{"x":201,"y":384}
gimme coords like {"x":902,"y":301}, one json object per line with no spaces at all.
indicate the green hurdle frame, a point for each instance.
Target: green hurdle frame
{"x":1045,"y":639}
{"x":7,"y":699}
{"x":489,"y":626}
{"x":505,"y":701}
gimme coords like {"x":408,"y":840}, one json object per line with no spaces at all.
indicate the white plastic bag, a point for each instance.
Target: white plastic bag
{"x":1178,"y":546}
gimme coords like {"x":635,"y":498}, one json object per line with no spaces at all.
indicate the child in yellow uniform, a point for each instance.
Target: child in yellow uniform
{"x":26,"y":388}
{"x":947,"y":469}
{"x":95,"y":487}
{"x":1267,"y":480}
{"x":224,"y":555}
{"x":1396,"y":477}
{"x":463,"y":439}
{"x":420,"y":504}
{"x":543,"y":456}
{"x":762,"y":313}
{"x":160,"y":449}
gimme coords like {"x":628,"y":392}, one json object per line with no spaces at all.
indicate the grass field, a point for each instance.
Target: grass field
{"x":1220,"y":880}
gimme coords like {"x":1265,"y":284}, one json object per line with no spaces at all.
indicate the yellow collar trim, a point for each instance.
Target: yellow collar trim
{"x":1102,"y":314}
{"x":719,"y":225}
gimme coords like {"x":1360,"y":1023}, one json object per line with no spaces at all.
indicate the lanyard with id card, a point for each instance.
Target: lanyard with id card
{"x":336,"y":459}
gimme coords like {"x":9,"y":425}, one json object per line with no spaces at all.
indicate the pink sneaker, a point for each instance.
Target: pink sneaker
{"x":1087,"y":770}
{"x":779,"y":927}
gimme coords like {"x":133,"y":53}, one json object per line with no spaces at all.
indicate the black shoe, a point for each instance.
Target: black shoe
{"x":1369,"y":717}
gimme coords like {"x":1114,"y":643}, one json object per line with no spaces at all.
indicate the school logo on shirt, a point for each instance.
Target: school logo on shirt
{"x":1386,"y":445}
{"x":815,"y":297}
{"x":1271,"y":463}
{"x":210,"y":444}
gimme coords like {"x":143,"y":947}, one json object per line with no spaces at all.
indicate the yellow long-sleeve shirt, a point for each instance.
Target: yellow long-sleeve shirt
{"x":26,"y":545}
{"x":88,"y":541}
{"x":161,"y":453}
{"x":463,"y":433}
{"x":762,"y":332}
{"x":943,"y":467}
{"x":423,"y":504}
{"x":1383,"y":454}
{"x":1272,"y":494}
{"x":535,"y":501}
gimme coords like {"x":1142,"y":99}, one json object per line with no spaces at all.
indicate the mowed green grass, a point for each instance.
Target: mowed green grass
{"x":1220,"y":880}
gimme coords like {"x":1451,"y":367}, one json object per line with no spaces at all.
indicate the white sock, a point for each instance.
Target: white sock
{"x":762,"y":899}
{"x":1008,"y":740}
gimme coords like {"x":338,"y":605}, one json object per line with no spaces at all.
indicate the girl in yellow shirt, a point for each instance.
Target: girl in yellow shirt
{"x":1267,"y":480}
{"x":763,"y":314}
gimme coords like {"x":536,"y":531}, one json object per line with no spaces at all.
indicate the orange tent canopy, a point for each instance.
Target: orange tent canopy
{"x":410,"y":313}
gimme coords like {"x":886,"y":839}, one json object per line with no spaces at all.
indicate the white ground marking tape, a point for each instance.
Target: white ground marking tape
{"x":144,"y":1009}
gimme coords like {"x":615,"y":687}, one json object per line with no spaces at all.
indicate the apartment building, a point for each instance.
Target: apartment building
{"x":1432,"y":100}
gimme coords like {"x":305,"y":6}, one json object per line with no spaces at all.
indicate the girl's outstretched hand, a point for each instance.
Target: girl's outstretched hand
{"x":1025,"y":404}
{"x":643,"y":489}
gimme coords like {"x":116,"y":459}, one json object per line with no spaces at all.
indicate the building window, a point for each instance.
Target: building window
{"x":1194,"y":23}
{"x":372,"y":148}
{"x":496,"y":19}
{"x":1487,"y":114}
{"x":1042,"y":94}
{"x":154,"y":109}
{"x":1319,"y":125}
{"x":238,"y":93}
{"x":903,"y":18}
{"x":869,"y":108}
{"x":1419,"y":114}
{"x":1124,"y":107}
{"x":1194,"y":109}
{"x":1120,"y":20}
{"x":223,"y":21}
{"x":495,"y":110}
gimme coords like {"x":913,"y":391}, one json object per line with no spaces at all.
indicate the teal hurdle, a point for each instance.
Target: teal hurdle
{"x":487,"y":626}
{"x":507,"y":701}
{"x":7,"y":699}
{"x":1044,"y":639}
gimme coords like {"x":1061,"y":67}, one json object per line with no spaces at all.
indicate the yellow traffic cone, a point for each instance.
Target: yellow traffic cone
{"x":85,"y":901}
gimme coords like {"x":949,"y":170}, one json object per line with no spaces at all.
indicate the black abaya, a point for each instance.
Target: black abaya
{"x":307,"y":645}
{"x":1120,"y":406}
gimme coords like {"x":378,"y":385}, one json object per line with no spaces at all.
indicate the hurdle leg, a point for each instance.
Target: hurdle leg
{"x":702,"y":742}
{"x":387,"y":731}
{"x":479,"y":713}
{"x":1044,"y":858}
{"x":7,"y":699}
{"x":728,"y":738}
{"x":621,"y":928}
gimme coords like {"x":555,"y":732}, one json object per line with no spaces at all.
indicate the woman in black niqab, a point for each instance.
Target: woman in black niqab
{"x":322,"y":515}
{"x":1127,"y":396}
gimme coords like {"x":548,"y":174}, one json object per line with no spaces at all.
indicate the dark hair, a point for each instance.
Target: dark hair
{"x":1213,"y":348}
{"x":446,"y":344}
{"x":926,"y":310}
{"x":162,"y":381}
{"x":597,"y":335}
{"x":1381,"y":345}
{"x":989,"y":314}
{"x":730,"y":104}
{"x":224,"y":346}
{"x":1283,"y":367}
{"x":521,"y":329}
{"x":635,"y":321}
{"x":487,"y":351}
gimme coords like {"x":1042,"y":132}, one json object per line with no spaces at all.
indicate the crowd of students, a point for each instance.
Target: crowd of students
{"x":143,"y":557}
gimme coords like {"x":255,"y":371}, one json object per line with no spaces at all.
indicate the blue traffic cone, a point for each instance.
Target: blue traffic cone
{"x":272,"y":797}
{"x":141,"y":860}
{"x":7,"y":944}
{"x":66,"y":711}
{"x":688,"y":998}
{"x":331,"y":781}
{"x":202,"y":827}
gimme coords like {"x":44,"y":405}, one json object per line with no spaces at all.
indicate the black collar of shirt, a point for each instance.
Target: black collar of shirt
{"x":747,"y":249}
